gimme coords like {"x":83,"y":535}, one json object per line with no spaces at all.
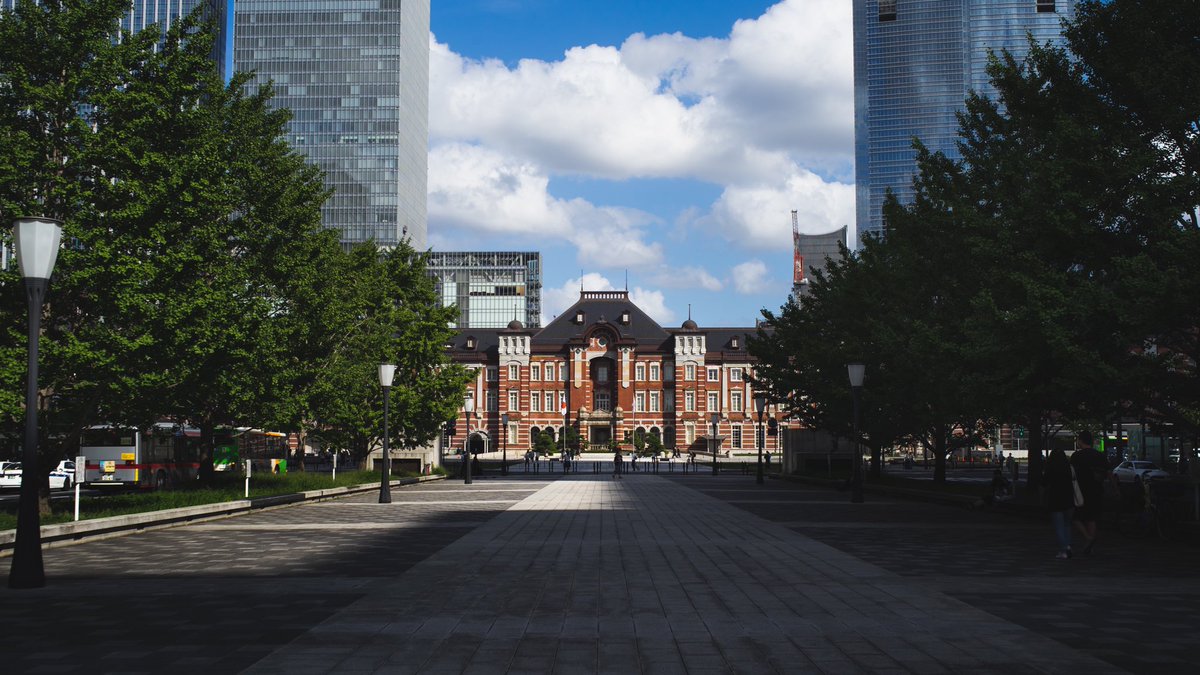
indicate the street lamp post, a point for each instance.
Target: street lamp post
{"x":760,"y":405}
{"x":504,"y":443}
{"x":469,"y":407}
{"x":36,"y":242}
{"x":386,"y":373}
{"x":856,"y":371}
{"x":715,"y":418}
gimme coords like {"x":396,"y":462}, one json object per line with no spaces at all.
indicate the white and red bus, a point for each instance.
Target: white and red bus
{"x":160,"y":457}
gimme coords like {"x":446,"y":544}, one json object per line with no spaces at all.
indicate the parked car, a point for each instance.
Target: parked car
{"x":1127,"y":471}
{"x":61,"y":478}
{"x":10,"y":474}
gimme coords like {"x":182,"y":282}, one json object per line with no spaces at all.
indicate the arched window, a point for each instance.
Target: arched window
{"x":533,"y":435}
{"x":654,"y":431}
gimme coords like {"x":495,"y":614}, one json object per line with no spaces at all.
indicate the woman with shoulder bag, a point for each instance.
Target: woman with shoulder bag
{"x":1059,"y":492}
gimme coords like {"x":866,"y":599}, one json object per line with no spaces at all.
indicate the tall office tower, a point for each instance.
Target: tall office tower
{"x":490,"y":288}
{"x":914,"y":63}
{"x":355,"y":74}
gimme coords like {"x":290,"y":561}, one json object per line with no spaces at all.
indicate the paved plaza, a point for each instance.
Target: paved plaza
{"x":586,"y":574}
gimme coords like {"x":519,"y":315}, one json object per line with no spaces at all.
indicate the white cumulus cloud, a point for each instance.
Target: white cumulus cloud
{"x":766,"y":113}
{"x":749,"y":277}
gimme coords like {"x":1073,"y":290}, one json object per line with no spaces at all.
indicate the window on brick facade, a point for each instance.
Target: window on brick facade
{"x":603,"y":402}
{"x":689,"y":433}
{"x":735,"y":374}
{"x":514,"y":371}
{"x":689,"y":401}
{"x":493,"y":373}
{"x":737,"y":436}
{"x":639,"y":402}
{"x":654,"y":405}
{"x":562,"y":400}
{"x":493,"y":401}
{"x":639,"y":372}
{"x":562,"y":372}
{"x":512,"y":432}
{"x":689,"y":371}
{"x":668,"y":372}
{"x":602,"y":373}
{"x":654,"y":372}
{"x":549,"y":372}
{"x":549,"y":401}
{"x":735,"y":401}
{"x":669,"y":401}
{"x":535,"y":372}
{"x":514,"y":399}
{"x":535,"y":402}
{"x":714,"y":374}
{"x":714,"y":401}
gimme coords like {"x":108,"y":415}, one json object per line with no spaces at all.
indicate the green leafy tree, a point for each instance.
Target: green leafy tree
{"x":545,"y":444}
{"x":654,"y":446}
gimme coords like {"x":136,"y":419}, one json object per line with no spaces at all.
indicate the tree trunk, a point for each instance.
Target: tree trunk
{"x":206,"y":472}
{"x":298,"y":457}
{"x":1037,"y":441}
{"x":939,"y":457}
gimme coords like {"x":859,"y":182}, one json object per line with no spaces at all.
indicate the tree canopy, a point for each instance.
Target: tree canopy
{"x":196,"y":284}
{"x":1042,"y":277}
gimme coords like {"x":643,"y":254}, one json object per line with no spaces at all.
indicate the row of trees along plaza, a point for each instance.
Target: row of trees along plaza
{"x":195,"y":283}
{"x":1048,"y":279}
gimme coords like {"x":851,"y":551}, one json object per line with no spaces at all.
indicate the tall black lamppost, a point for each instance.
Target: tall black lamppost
{"x":386,"y":373}
{"x":36,"y":242}
{"x":469,"y":407}
{"x":856,"y":371}
{"x":504,"y":443}
{"x":715,"y":418}
{"x":760,"y":404}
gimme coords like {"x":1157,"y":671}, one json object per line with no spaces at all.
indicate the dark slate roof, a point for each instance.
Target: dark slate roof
{"x":609,"y":306}
{"x":487,"y":342}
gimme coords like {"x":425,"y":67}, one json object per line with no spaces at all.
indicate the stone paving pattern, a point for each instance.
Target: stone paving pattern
{"x":585,"y":574}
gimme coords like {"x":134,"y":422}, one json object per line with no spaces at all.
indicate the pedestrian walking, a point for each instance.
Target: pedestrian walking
{"x":633,"y":462}
{"x":1059,"y":495}
{"x":618,"y":462}
{"x":528,"y":459}
{"x":1090,"y":469}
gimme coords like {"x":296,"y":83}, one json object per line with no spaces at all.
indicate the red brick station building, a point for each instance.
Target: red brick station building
{"x":609,"y":370}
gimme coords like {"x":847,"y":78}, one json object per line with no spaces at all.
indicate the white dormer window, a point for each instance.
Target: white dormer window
{"x":579,"y":317}
{"x":733,"y":343}
{"x":625,"y":317}
{"x":470,"y":343}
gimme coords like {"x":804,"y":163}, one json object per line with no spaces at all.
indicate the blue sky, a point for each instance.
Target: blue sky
{"x":667,"y":138}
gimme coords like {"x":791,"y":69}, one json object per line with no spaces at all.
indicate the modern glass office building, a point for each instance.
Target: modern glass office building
{"x":490,"y":288}
{"x":355,"y":74}
{"x":914,"y":63}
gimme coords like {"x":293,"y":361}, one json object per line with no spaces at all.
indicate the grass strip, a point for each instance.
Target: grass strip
{"x":226,"y":488}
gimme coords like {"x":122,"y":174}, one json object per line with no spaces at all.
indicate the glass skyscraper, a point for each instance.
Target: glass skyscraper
{"x":355,"y":74}
{"x":490,"y":288}
{"x":914,"y":63}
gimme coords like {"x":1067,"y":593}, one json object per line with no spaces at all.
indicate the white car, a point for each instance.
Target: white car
{"x":60,"y":478}
{"x":1127,"y":471}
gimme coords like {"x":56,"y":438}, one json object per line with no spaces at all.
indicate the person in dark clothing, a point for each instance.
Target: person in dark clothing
{"x":1060,"y":498}
{"x":1090,"y":469}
